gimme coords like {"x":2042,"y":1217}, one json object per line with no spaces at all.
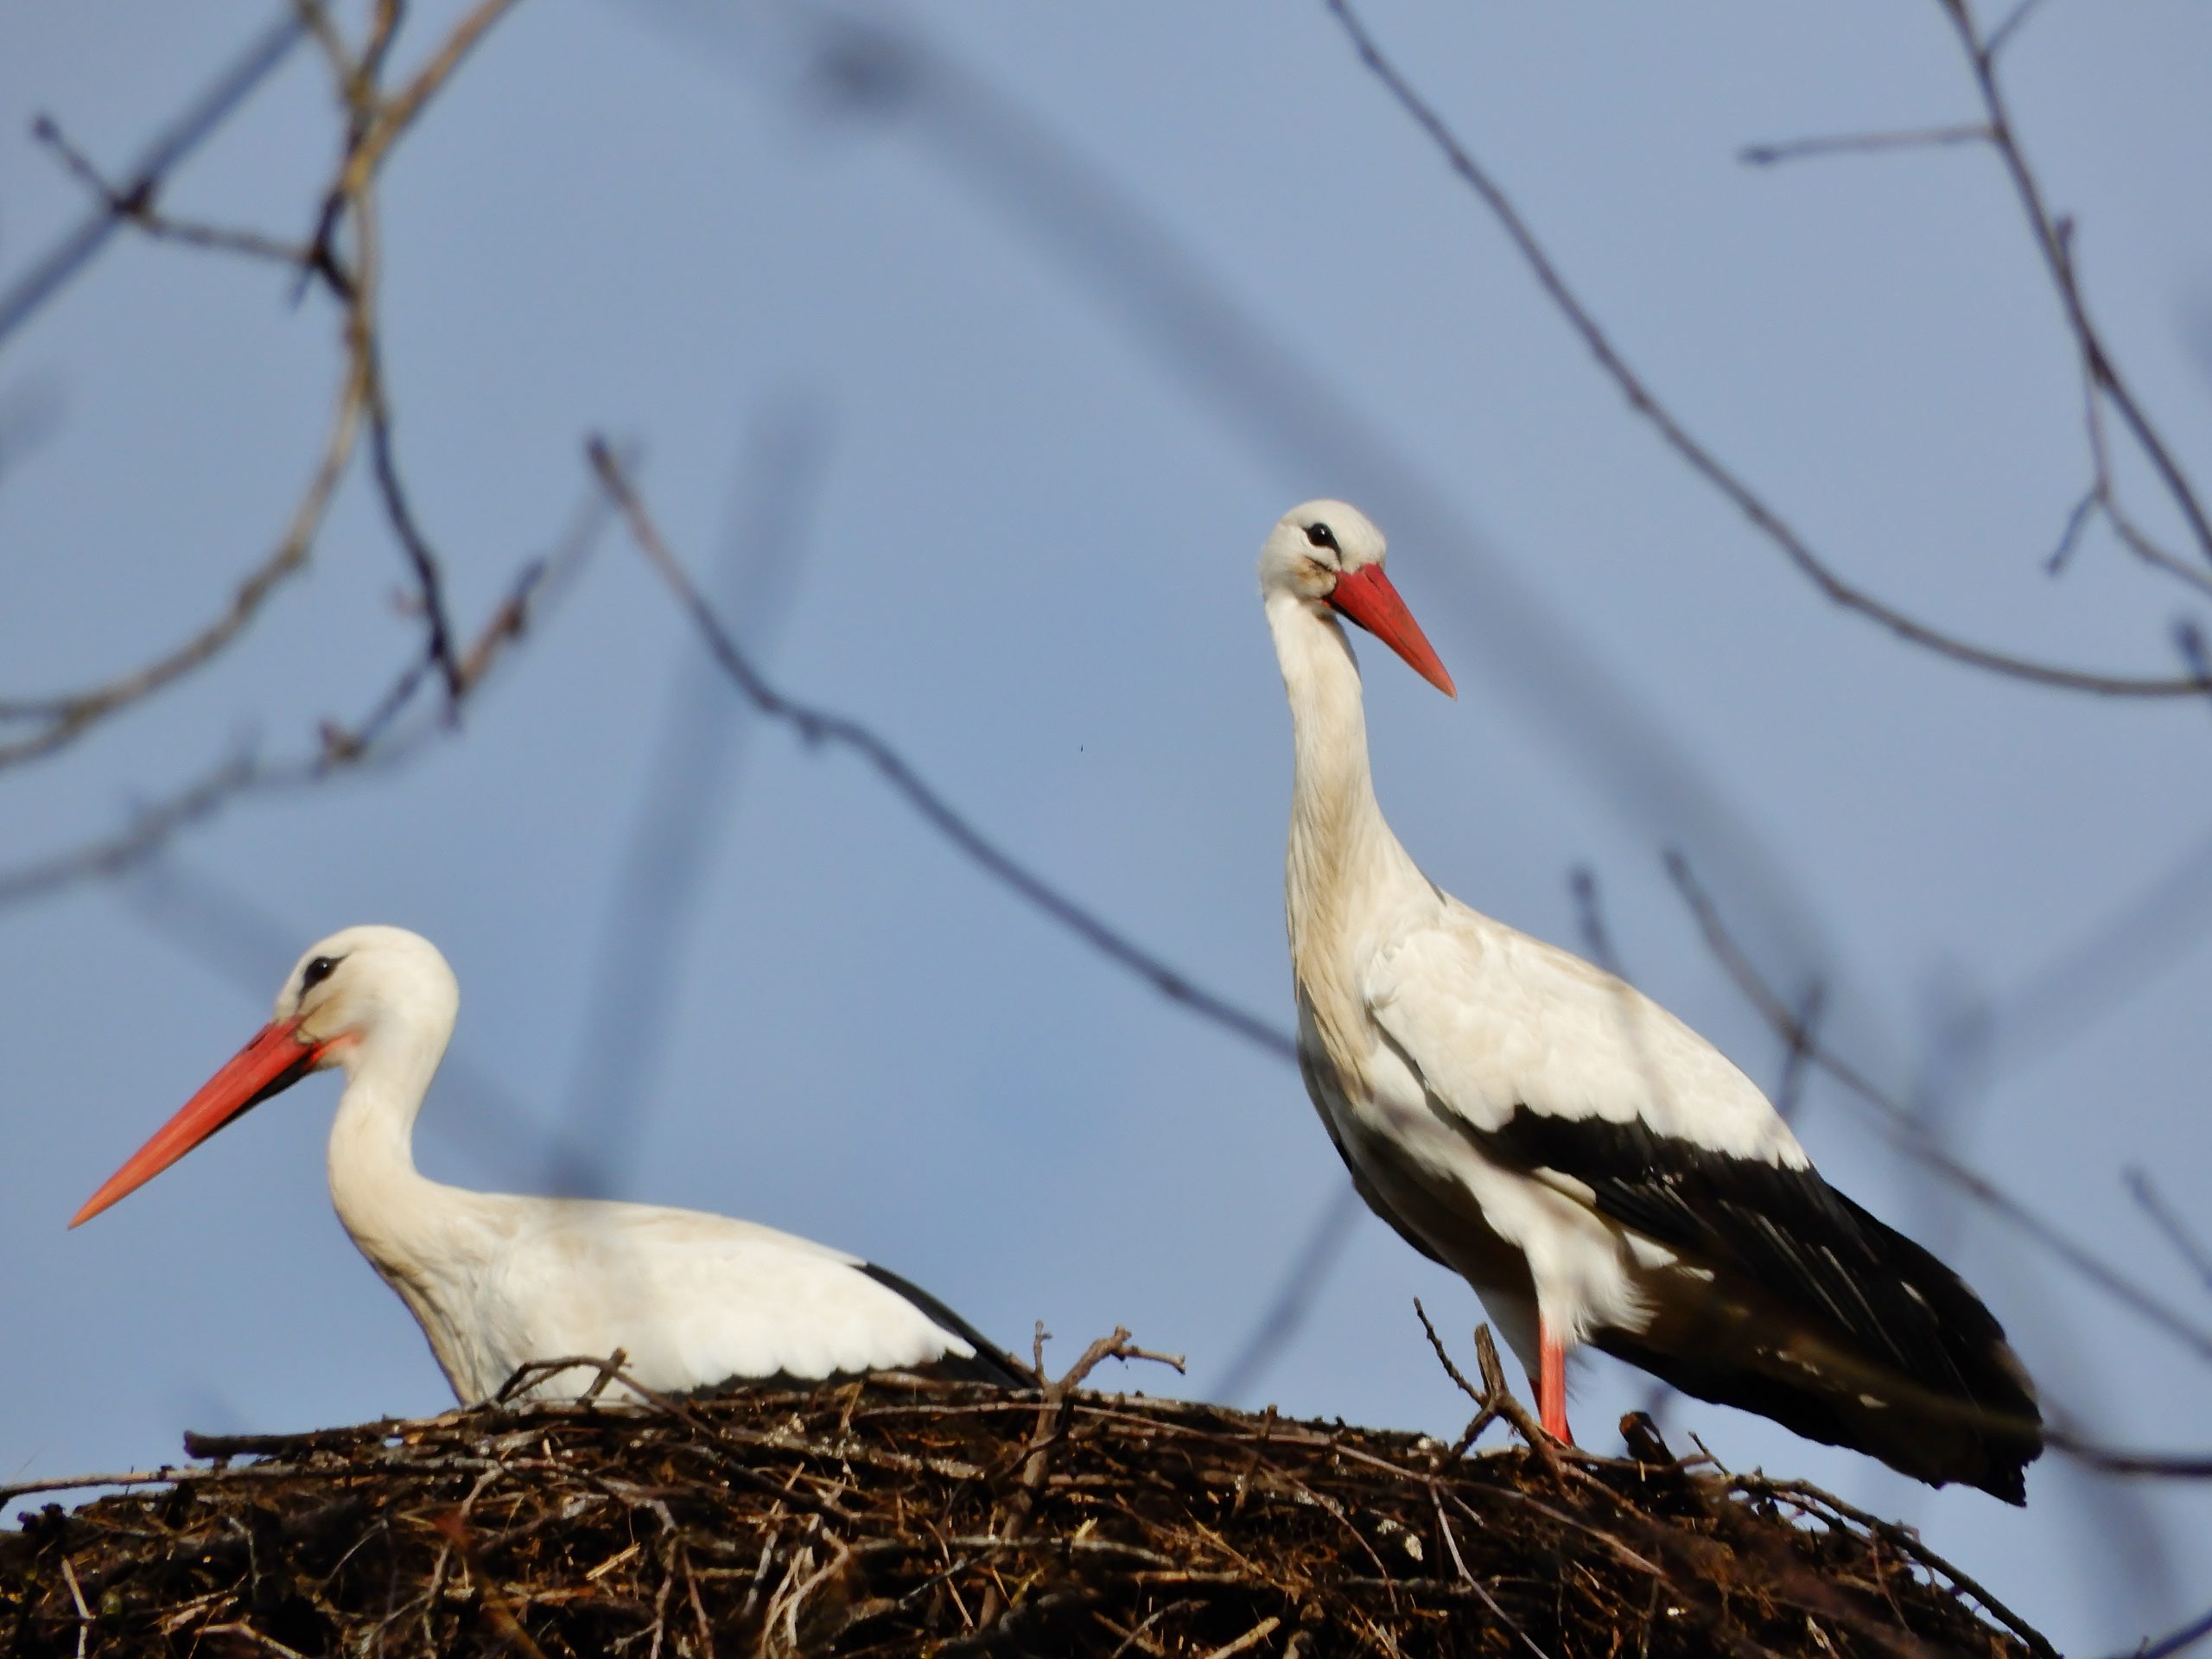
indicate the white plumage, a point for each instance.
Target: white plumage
{"x":1595,"y":1169}
{"x":498,"y":1281}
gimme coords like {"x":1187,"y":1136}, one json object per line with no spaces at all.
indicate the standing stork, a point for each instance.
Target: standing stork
{"x":1597,"y":1171}
{"x":498,"y":1282}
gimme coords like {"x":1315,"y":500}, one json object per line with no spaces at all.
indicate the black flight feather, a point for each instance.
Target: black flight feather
{"x":991,"y":1363}
{"x":1966,"y":1412}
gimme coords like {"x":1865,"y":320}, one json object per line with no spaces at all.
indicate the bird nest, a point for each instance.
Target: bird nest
{"x":894,"y":1516}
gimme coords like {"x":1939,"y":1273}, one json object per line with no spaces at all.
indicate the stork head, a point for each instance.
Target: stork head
{"x":1328,"y":556}
{"x":355,"y":994}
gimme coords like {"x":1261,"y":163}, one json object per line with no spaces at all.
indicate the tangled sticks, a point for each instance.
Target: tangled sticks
{"x":896,"y":1517}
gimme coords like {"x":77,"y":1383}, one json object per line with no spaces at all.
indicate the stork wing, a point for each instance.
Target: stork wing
{"x":697,"y":1299}
{"x":1558,"y":1071}
{"x":1494,"y":1020}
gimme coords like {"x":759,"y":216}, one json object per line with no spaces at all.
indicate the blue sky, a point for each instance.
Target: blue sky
{"x":903,"y":384}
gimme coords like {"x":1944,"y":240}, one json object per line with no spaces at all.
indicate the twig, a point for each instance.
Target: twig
{"x":2147,"y":1199}
{"x":1251,"y":1639}
{"x":241,"y":1630}
{"x":183,"y":135}
{"x":2166,"y":1466}
{"x":815,"y":725}
{"x":1645,"y":403}
{"x":2070,"y":537}
{"x":2002,"y":35}
{"x":1813,"y":1500}
{"x":1459,"y":1566}
{"x":2053,"y":243}
{"x":487,"y":1587}
{"x":1860,"y":143}
{"x":68,"y":717}
{"x":162,"y":1476}
{"x":136,"y":204}
{"x":374,"y":123}
{"x":84,"y":1614}
{"x":1012,"y":1516}
{"x":377,"y":741}
{"x":1286,"y":1311}
{"x":1796,"y":1060}
{"x":403,"y":524}
{"x":2173,"y":1642}
{"x":1495,"y":1399}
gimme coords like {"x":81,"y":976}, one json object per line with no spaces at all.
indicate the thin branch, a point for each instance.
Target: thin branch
{"x":817,"y":725}
{"x":1862,"y":143}
{"x":2172,"y":1643}
{"x":2002,"y":35}
{"x":1796,"y":1060}
{"x":1287,"y":1310}
{"x":135,"y":204}
{"x":2103,"y":494}
{"x":379,"y":739}
{"x":374,"y":125}
{"x":185,"y":134}
{"x":1908,"y":1134}
{"x":1701,"y":461}
{"x":399,"y":111}
{"x":2070,"y":537}
{"x":2054,"y":243}
{"x":150,"y":827}
{"x":2165,"y":1466}
{"x":2190,"y":1249}
{"x":68,"y":717}
{"x":430,"y":589}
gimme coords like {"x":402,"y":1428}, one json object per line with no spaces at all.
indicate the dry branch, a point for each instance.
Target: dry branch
{"x":374,"y":122}
{"x":815,"y":725}
{"x":1646,"y":403}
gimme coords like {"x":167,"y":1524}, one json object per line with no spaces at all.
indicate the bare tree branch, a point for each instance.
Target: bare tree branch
{"x":430,"y":587}
{"x":2198,"y":1628}
{"x":262,"y":56}
{"x":1285,"y":1313}
{"x":2186,"y":1244}
{"x":68,"y":717}
{"x":651,"y":908}
{"x":815,"y":725}
{"x":1862,"y":143}
{"x":379,"y":739}
{"x":374,"y":124}
{"x":2054,"y":242}
{"x":1645,"y":403}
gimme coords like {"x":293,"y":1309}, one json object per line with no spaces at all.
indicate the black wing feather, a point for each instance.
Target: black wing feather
{"x":992,"y":1364}
{"x":1796,"y":1237}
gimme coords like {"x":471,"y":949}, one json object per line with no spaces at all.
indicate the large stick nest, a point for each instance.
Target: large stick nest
{"x":895,"y":1517}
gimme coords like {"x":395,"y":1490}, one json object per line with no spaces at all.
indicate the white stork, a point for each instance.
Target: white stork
{"x":1595,"y":1169}
{"x":498,"y":1281}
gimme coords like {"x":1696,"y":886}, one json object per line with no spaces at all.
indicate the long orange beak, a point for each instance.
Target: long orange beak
{"x":1367,"y":597}
{"x":276,"y":1059}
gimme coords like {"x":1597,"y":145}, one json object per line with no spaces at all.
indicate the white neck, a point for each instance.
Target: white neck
{"x":413,"y":1230}
{"x":1340,"y":842}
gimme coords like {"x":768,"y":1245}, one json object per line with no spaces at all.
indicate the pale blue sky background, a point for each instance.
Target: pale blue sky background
{"x":1030,"y":530}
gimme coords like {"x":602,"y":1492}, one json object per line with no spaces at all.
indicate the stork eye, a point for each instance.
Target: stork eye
{"x":315,"y":972}
{"x":1321,"y":535}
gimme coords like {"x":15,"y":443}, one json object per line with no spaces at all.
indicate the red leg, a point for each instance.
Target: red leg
{"x":1551,"y":1385}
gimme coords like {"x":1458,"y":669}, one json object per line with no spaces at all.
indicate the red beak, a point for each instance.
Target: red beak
{"x":1367,"y":597}
{"x":276,"y":1059}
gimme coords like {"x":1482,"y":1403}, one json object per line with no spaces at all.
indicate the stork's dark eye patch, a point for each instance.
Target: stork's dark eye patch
{"x":315,"y":972}
{"x":1321,"y":535}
